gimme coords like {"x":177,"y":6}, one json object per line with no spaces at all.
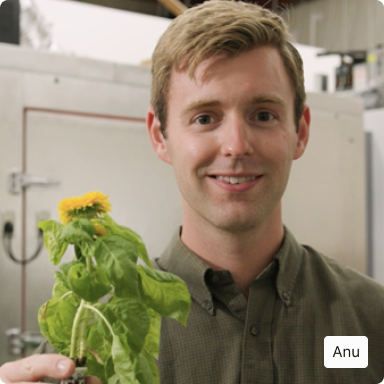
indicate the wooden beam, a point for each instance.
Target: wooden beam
{"x":174,"y":6}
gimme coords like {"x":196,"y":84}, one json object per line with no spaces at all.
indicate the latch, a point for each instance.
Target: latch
{"x":17,"y":181}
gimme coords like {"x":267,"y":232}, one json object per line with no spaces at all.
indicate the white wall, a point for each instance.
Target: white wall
{"x":102,"y":33}
{"x":127,"y":37}
{"x":340,"y":25}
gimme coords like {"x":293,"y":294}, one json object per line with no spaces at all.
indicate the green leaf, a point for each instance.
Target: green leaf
{"x":165,"y":293}
{"x":87,"y":249}
{"x":55,"y":319}
{"x":94,"y":368}
{"x":146,"y":369}
{"x":54,"y":241}
{"x":101,"y":326}
{"x":62,"y":291}
{"x":127,"y":233}
{"x":109,"y":369}
{"x":67,"y":266}
{"x":98,"y":353}
{"x":42,"y":319}
{"x":86,"y":284}
{"x":134,"y":321}
{"x":152,"y":340}
{"x":99,"y":343}
{"x":114,"y":379}
{"x":117,"y":257}
{"x":78,"y":252}
{"x":79,"y":231}
{"x":60,"y":287}
{"x":124,"y":366}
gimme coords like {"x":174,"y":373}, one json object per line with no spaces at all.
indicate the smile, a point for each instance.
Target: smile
{"x":235,"y":180}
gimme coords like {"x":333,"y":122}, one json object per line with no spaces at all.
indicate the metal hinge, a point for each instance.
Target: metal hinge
{"x":17,"y":181}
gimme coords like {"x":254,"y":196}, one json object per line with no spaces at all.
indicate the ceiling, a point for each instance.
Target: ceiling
{"x":153,"y":7}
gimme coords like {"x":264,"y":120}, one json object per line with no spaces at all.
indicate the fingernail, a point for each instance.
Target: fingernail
{"x":63,"y":366}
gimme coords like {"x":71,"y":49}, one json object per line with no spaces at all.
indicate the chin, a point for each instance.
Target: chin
{"x":238,"y":226}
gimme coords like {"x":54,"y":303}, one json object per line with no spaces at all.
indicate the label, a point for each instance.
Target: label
{"x":345,"y":352}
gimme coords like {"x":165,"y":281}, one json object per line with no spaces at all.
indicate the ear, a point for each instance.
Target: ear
{"x":156,"y":136}
{"x":302,"y":133}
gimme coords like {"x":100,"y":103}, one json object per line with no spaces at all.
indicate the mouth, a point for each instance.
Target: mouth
{"x":235,"y":180}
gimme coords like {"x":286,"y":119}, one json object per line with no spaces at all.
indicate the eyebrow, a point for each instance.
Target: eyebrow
{"x":263,"y":98}
{"x":203,"y":103}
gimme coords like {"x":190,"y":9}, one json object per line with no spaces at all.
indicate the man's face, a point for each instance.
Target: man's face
{"x":231,"y":139}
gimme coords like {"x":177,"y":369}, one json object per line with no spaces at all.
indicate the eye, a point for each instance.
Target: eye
{"x":264,"y":116}
{"x":204,"y":120}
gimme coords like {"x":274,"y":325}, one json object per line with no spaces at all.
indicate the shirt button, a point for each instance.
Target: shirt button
{"x":286,"y":296}
{"x":215,"y":279}
{"x":207,"y":305}
{"x":254,"y":330}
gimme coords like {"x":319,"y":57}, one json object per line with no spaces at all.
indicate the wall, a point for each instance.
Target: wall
{"x":102,"y":33}
{"x":338,"y":25}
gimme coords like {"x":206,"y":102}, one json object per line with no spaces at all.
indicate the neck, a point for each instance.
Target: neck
{"x":245,"y":254}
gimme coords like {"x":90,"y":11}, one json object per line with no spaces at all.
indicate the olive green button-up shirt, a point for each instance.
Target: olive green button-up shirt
{"x":276,"y":336}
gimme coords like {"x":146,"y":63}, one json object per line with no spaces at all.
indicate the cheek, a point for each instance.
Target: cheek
{"x":194,"y":150}
{"x":278,"y":150}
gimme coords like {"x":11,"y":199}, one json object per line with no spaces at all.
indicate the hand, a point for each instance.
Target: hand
{"x":36,"y":367}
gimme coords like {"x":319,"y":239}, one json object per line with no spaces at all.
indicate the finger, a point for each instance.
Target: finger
{"x":92,"y":380}
{"x":36,"y":367}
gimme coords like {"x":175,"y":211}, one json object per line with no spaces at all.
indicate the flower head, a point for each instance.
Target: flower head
{"x":90,"y":205}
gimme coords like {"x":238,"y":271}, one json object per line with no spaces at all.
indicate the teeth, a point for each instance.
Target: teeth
{"x":235,"y":180}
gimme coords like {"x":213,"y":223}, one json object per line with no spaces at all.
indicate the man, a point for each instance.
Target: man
{"x":228,"y":113}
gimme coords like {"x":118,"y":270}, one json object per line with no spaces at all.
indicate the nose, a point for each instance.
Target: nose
{"x":235,"y":138}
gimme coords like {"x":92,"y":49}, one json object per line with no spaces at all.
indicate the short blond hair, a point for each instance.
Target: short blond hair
{"x":221,"y":27}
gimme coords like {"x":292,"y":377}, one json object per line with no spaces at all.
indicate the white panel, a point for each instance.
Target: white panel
{"x":22,"y":58}
{"x":78,"y":95}
{"x":10,"y":151}
{"x":15,"y":57}
{"x":88,"y":154}
{"x":374,"y":123}
{"x":324,"y":204}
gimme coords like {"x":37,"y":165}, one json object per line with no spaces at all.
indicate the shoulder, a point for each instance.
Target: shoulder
{"x":155,"y":263}
{"x":338,"y":280}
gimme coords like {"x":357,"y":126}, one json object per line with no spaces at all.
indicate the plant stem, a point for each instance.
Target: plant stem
{"x":84,"y":320}
{"x":83,"y":332}
{"x":80,"y":326}
{"x":102,"y":316}
{"x":75,"y":330}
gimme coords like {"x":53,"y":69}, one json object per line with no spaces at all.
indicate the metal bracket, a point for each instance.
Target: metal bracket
{"x":17,"y":181}
{"x":17,"y":341}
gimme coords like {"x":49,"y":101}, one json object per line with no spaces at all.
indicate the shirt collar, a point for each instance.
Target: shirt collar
{"x":181,"y":261}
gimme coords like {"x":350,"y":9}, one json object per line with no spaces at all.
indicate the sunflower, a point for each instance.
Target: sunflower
{"x":90,"y":205}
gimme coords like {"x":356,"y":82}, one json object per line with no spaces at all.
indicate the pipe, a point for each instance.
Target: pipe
{"x":174,"y":6}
